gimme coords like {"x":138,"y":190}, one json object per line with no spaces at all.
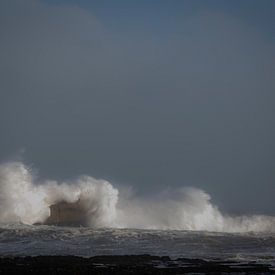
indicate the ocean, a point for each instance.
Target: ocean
{"x":87,"y":218}
{"x":33,"y":240}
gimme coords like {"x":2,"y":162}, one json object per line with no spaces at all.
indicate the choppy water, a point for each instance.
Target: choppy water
{"x":23,"y":240}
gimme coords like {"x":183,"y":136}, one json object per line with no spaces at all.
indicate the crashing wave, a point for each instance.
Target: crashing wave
{"x":91,"y":202}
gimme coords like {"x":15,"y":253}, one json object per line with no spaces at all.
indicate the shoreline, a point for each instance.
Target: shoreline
{"x":126,"y":264}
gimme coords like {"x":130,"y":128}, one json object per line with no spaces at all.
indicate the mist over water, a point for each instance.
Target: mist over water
{"x":26,"y":200}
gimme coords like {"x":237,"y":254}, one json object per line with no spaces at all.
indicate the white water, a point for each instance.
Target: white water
{"x":24,"y":200}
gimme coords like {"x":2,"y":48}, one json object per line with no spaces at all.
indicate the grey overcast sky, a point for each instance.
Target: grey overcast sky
{"x":152,"y":94}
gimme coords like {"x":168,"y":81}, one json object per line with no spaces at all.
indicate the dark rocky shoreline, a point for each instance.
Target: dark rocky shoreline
{"x":129,"y":264}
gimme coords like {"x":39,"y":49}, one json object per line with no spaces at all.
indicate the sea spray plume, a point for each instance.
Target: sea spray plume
{"x":253,"y":223}
{"x":23,"y":200}
{"x":97,"y":198}
{"x":20,"y":199}
{"x":186,"y":209}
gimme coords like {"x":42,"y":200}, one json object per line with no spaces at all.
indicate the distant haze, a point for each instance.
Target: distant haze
{"x":153,"y":94}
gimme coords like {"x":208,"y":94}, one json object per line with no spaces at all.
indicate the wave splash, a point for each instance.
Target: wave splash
{"x":24,"y":200}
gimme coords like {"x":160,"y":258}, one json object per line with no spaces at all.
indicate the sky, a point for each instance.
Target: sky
{"x":152,"y":94}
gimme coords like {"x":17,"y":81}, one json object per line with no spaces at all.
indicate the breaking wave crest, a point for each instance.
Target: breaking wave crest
{"x":97,"y":202}
{"x":23,"y":200}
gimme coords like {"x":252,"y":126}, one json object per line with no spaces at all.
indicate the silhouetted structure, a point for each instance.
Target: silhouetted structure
{"x":64,"y":213}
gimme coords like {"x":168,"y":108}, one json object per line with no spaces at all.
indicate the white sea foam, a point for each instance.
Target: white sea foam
{"x":24,"y":200}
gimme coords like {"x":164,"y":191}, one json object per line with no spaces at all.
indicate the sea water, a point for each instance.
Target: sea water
{"x":31,"y":240}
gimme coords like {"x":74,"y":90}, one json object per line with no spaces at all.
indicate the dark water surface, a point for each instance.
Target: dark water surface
{"x":25,"y":240}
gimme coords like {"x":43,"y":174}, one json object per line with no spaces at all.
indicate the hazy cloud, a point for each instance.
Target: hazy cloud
{"x":190,"y":106}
